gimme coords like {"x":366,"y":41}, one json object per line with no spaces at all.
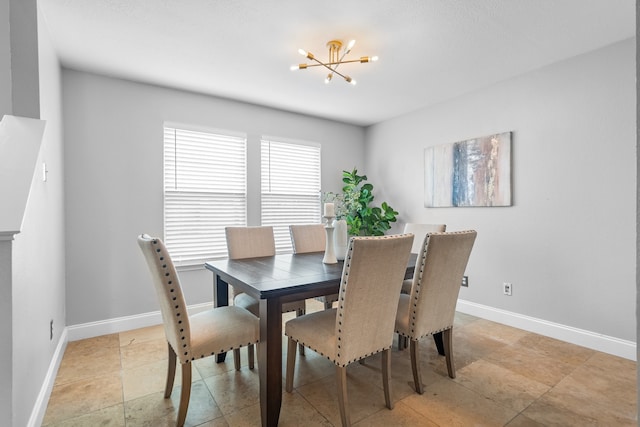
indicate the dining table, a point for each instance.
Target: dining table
{"x":275,"y":280}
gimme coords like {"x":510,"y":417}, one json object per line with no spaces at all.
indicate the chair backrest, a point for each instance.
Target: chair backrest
{"x":420,"y":231}
{"x":308,"y":238}
{"x":436,"y":281}
{"x":250,"y":242}
{"x":167,"y":285}
{"x":374,"y":268}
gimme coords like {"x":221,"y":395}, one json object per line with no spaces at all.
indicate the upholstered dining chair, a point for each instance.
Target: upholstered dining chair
{"x":311,"y":238}
{"x":431,"y":306}
{"x":255,"y":242}
{"x":192,"y":337}
{"x":419,"y":231}
{"x":363,"y":322}
{"x":307,"y":238}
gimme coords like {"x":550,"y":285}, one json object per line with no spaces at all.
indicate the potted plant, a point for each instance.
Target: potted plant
{"x":364,"y":219}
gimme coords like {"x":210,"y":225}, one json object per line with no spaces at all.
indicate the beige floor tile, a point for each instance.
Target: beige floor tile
{"x":136,"y":336}
{"x":503,"y":386}
{"x":531,"y":363}
{"x":85,"y":361}
{"x":469,"y":347}
{"x":296,"y":411}
{"x":594,"y":395}
{"x":142,"y":353}
{"x":400,"y":416}
{"x":614,"y":367}
{"x":523,"y":421}
{"x":463,"y":319}
{"x":309,"y":368}
{"x":548,"y":414}
{"x":208,"y":366}
{"x":234,"y":390}
{"x":155,"y":411}
{"x":556,"y":349}
{"x":91,"y":344}
{"x":246,"y":417}
{"x":112,"y":416}
{"x":495,"y":331}
{"x":364,"y":399}
{"x":83,"y":397}
{"x":150,"y":378}
{"x":450,"y":404}
{"x":218,"y":422}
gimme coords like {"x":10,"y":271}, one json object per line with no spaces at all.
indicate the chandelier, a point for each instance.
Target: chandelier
{"x":335,"y":60}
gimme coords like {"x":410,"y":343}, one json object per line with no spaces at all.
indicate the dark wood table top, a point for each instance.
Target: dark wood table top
{"x":301,"y":275}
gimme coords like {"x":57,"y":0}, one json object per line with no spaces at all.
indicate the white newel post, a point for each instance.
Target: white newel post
{"x":6,"y":332}
{"x":20,"y":140}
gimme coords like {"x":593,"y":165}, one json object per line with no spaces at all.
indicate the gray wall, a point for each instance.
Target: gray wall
{"x":113,"y":181}
{"x":568,"y":242}
{"x":38,"y":269}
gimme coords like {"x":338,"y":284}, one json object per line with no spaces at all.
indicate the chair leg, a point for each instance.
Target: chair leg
{"x":250,"y":350}
{"x":448,"y":351}
{"x":402,"y":342}
{"x":171,"y":372}
{"x":184,"y":394}
{"x":236,"y":358}
{"x":343,"y":402}
{"x":386,"y":376}
{"x":300,"y":347}
{"x":291,"y":365}
{"x":415,"y":366}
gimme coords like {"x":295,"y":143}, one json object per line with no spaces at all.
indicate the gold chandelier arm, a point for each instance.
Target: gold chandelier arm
{"x":328,"y":64}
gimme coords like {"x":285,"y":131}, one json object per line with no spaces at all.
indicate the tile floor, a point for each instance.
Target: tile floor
{"x":505,"y":377}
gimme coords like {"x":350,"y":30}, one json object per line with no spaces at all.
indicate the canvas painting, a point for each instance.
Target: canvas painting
{"x":475,"y":172}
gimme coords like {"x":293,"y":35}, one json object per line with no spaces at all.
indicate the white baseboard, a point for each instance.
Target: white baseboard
{"x":121,"y":324}
{"x":40,"y":407}
{"x":592,"y":340}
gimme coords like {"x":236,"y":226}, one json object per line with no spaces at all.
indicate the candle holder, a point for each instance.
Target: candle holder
{"x":329,"y":253}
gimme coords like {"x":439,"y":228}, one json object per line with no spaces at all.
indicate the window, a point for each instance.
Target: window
{"x":205,"y":190}
{"x":290,"y":187}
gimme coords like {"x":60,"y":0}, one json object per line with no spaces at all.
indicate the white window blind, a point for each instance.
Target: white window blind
{"x":290,"y":187}
{"x":205,"y":189}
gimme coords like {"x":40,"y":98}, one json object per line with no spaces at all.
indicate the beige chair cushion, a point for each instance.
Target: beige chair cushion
{"x":308,"y":238}
{"x":221,"y":330}
{"x":316,"y":331}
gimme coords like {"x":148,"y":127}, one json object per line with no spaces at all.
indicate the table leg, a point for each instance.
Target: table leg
{"x":437,"y":338}
{"x":220,"y":299}
{"x":270,"y":361}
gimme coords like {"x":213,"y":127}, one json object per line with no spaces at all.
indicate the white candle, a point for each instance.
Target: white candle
{"x":329,"y":209}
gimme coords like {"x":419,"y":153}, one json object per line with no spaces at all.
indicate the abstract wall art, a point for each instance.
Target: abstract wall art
{"x":475,"y":172}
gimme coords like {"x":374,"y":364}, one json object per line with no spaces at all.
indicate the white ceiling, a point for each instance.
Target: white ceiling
{"x":430,"y":50}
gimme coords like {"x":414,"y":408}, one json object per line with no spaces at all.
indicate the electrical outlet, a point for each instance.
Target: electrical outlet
{"x":51,"y":330}
{"x":465,"y":281}
{"x":506,"y":288}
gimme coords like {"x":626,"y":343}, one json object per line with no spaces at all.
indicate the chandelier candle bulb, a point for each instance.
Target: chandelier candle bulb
{"x":329,"y":209}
